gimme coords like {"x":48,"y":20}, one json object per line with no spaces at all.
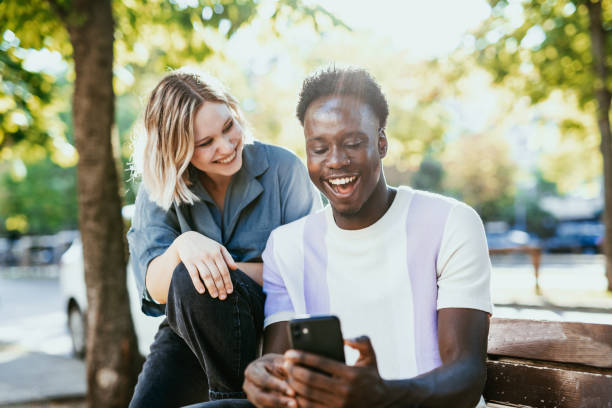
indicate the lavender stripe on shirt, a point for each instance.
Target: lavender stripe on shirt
{"x":425,"y":226}
{"x":316,"y":290}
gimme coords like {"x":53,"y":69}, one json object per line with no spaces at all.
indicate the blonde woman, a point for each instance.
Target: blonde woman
{"x":208,"y":202}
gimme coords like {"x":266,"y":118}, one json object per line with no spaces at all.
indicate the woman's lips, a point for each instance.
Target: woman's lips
{"x":228,"y":159}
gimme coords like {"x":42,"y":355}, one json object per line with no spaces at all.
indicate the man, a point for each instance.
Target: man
{"x":409,"y":269}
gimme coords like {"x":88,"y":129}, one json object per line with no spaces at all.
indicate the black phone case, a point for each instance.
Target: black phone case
{"x":318,"y":335}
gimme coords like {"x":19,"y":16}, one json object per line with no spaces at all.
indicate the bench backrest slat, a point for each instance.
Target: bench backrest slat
{"x":543,"y":387}
{"x":581,"y":343}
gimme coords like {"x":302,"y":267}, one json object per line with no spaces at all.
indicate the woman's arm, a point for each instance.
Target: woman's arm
{"x":253,"y":269}
{"x":159,"y":274}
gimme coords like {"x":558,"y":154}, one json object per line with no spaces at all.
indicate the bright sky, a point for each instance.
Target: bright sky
{"x":426,"y":29}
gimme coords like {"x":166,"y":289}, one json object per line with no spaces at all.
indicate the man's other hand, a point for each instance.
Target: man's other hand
{"x":322,"y":382}
{"x":265,"y":383}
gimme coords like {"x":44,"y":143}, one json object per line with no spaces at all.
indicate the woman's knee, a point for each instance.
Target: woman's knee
{"x":183,"y":294}
{"x":181,"y":282}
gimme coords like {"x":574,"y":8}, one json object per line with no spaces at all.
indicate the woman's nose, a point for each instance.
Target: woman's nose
{"x":228,"y":144}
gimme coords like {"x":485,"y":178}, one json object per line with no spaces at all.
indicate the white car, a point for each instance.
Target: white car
{"x":72,"y":282}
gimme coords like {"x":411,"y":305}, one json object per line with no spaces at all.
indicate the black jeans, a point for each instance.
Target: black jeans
{"x":226,"y":403}
{"x":203,"y":347}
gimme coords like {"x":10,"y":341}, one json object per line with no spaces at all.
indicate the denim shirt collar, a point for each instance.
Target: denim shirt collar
{"x":244,"y":187}
{"x":254,"y":159}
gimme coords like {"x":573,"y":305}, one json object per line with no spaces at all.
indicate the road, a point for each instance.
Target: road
{"x":568,"y":282}
{"x":35,"y":349}
{"x":32,"y":316}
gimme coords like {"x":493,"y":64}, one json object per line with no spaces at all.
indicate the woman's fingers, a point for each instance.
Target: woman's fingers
{"x":225,"y":275}
{"x":207,"y":278}
{"x":228,"y":258}
{"x":216,"y":277}
{"x":195,"y":277}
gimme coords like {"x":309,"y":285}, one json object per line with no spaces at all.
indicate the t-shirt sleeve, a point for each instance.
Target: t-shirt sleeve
{"x":299,"y":196}
{"x":464,"y":267}
{"x":278,"y":306}
{"x":153,"y":230}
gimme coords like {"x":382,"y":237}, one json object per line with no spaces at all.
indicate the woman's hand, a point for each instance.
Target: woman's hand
{"x":206,"y":261}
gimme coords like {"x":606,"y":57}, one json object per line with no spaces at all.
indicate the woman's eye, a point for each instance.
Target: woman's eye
{"x":228,"y":127}
{"x":206,"y":143}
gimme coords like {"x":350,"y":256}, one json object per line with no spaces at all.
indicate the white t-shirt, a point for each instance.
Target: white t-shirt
{"x":386,"y":281}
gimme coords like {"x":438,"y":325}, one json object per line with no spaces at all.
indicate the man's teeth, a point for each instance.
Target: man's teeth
{"x":341,"y":181}
{"x":229,"y":159}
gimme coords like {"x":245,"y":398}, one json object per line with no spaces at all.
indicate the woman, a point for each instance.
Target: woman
{"x":209,"y":200}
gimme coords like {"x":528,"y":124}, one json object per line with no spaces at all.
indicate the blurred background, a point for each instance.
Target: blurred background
{"x":494,"y":103}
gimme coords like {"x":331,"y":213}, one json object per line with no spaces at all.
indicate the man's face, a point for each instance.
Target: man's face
{"x":344,"y":148}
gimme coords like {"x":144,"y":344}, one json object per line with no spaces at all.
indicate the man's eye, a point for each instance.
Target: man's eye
{"x":319,"y":150}
{"x":228,"y":127}
{"x":353,"y":145}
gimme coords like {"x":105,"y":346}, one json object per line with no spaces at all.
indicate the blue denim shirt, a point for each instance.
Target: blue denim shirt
{"x":271,"y":188}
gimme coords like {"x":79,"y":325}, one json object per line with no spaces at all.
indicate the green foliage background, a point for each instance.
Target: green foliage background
{"x":153,"y":37}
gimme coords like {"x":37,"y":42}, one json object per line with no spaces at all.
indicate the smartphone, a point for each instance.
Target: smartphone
{"x":318,"y":335}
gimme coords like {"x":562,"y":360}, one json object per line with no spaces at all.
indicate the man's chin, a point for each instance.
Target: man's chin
{"x":346,"y":211}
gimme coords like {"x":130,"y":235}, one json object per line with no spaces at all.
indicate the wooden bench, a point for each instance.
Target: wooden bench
{"x":549,"y":364}
{"x":534,"y":252}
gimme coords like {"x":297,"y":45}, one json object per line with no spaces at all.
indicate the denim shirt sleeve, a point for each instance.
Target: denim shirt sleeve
{"x":153,"y":231}
{"x":299,"y":196}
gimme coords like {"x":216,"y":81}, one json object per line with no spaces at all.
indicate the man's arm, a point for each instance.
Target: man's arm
{"x":458,"y":382}
{"x":276,"y":338}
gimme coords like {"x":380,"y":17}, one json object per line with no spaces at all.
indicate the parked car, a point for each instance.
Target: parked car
{"x":72,"y":282}
{"x":576,"y":237}
{"x":499,"y":236}
{"x":31,"y":250}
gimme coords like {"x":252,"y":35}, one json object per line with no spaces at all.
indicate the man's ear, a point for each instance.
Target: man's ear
{"x":382,"y":143}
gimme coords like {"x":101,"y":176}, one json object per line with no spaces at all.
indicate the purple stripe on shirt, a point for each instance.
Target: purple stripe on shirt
{"x":316,"y":291}
{"x":425,"y":226}
{"x":277,"y":297}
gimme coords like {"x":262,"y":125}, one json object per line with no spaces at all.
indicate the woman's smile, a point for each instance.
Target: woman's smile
{"x":228,"y":159}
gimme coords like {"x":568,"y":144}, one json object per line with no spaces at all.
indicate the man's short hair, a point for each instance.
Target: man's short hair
{"x":355,"y":82}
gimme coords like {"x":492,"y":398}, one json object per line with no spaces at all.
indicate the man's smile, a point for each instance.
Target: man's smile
{"x":343,"y":186}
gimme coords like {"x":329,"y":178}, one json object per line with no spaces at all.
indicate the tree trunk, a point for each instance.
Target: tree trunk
{"x":112,"y":353}
{"x":602,"y":94}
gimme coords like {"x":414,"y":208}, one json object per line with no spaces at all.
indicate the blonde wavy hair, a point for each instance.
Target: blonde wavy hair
{"x":164,"y":149}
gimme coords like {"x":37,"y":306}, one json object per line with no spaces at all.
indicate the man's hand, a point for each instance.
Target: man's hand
{"x":342,"y":386}
{"x":265,"y":385}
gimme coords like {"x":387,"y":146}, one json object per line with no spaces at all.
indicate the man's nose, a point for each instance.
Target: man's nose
{"x":338,"y":158}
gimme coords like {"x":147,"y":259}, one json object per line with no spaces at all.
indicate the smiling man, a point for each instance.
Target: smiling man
{"x":406,"y":268}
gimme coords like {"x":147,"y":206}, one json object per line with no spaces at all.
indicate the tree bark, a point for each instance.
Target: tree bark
{"x":602,"y":95}
{"x":112,"y":353}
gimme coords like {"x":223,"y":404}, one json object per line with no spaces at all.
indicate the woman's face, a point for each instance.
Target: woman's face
{"x":218,"y":140}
